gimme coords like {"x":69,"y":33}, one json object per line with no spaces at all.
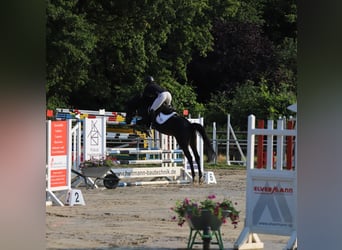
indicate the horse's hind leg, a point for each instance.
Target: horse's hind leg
{"x":193,"y":145}
{"x":189,"y":158}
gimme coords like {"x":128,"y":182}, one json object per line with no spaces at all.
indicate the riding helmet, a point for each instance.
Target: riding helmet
{"x":149,"y":79}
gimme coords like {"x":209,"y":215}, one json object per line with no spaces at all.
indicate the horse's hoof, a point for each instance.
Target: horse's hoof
{"x":200,"y":180}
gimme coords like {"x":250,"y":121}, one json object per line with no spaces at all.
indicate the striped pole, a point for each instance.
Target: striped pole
{"x":143,"y":151}
{"x":143,"y":183}
{"x":155,"y":161}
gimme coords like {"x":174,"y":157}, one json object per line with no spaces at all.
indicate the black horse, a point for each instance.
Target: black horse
{"x":177,"y":126}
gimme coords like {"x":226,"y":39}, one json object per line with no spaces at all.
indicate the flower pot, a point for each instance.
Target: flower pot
{"x":206,"y":225}
{"x":206,"y":219}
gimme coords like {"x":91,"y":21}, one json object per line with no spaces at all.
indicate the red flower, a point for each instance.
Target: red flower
{"x":211,"y":197}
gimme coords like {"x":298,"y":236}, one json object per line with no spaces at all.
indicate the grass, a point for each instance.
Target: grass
{"x":224,"y":165}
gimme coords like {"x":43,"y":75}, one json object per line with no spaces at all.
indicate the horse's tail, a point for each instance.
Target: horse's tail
{"x":208,"y":148}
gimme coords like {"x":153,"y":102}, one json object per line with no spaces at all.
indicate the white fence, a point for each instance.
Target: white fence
{"x":271,"y":192}
{"x":234,"y":151}
{"x":88,"y":139}
{"x":163,"y":150}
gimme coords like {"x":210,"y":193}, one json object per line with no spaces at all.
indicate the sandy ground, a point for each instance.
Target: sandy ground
{"x":140,"y":217}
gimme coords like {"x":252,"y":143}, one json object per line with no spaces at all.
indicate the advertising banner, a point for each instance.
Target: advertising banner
{"x":95,"y":138}
{"x":272,"y":202}
{"x":58,"y":158}
{"x":147,"y":172}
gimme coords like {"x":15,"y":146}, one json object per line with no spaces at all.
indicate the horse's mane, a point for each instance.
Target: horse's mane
{"x":134,"y":101}
{"x":137,"y":105}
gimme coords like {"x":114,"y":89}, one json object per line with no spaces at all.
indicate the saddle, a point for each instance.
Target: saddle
{"x":165,"y":109}
{"x":164,"y":113}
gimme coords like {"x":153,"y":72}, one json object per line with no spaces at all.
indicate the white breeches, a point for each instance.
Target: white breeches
{"x":162,"y":97}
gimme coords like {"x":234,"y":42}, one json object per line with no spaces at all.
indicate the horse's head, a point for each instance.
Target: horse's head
{"x":129,"y":118}
{"x":131,"y":109}
{"x":137,"y":107}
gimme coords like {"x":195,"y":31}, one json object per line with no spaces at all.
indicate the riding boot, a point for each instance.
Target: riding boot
{"x":152,"y":117}
{"x":171,"y":109}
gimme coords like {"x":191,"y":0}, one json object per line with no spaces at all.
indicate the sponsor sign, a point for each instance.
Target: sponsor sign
{"x":271,"y":205}
{"x":147,"y":172}
{"x":95,"y":138}
{"x":58,"y":155}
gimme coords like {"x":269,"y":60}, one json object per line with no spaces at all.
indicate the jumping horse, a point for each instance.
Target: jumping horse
{"x":183,"y":130}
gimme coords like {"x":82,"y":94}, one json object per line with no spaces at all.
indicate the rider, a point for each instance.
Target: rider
{"x":156,"y":95}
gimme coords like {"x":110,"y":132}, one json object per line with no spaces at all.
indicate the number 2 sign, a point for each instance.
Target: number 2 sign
{"x":74,"y":197}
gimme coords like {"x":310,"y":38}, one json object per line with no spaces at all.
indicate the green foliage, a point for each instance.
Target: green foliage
{"x":70,"y":41}
{"x":114,"y":44}
{"x":241,"y":53}
{"x":260,"y":100}
{"x":250,"y":11}
{"x":189,"y":207}
{"x":183,"y":96}
{"x":280,"y":18}
{"x":215,"y":57}
{"x":287,"y":63}
{"x":218,"y":108}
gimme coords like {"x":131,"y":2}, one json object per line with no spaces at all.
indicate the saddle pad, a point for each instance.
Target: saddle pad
{"x":161,"y":117}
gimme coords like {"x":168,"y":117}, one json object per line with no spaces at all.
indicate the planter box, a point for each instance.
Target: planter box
{"x":205,"y":220}
{"x":206,"y":225}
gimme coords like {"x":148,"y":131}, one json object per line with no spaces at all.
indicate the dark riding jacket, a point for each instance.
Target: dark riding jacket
{"x":151,"y":92}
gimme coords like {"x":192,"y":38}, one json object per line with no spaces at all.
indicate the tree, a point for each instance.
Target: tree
{"x":70,"y":41}
{"x":183,"y":96}
{"x":258,"y":99}
{"x":280,"y":19}
{"x":257,"y":45}
{"x":191,"y":33}
{"x":99,"y":51}
{"x":123,"y":40}
{"x":241,"y":52}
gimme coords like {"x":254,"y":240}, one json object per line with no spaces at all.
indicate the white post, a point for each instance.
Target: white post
{"x":280,"y":146}
{"x":231,"y":130}
{"x":269,"y":162}
{"x":104,"y":136}
{"x":214,"y":139}
{"x":250,"y":142}
{"x":227,"y":142}
{"x":174,"y":147}
{"x":200,"y":145}
{"x":79,"y":143}
{"x":69,"y":153}
{"x":76,"y":145}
